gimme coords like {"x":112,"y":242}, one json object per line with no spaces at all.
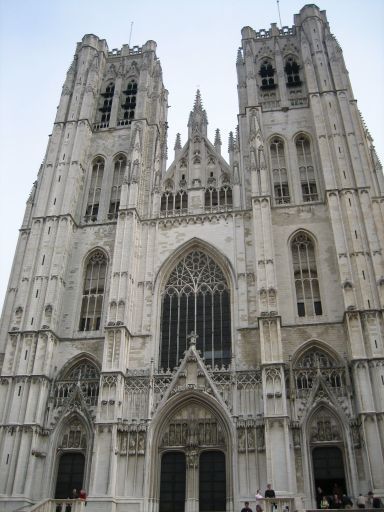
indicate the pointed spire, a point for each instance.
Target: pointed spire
{"x":177,"y":147}
{"x":198,"y":102}
{"x":217,"y":137}
{"x":198,"y":120}
{"x":231,"y":142}
{"x":177,"y":142}
{"x":217,"y":142}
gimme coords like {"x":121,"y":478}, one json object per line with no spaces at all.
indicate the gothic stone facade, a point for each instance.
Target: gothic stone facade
{"x":219,"y":318}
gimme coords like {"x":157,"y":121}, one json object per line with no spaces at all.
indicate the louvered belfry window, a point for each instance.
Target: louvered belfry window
{"x":196,"y":298}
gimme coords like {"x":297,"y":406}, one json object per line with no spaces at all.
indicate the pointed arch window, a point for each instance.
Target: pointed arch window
{"x":107,"y":99}
{"x":306,"y":170}
{"x":118,"y":176}
{"x":315,"y":363}
{"x":93,"y":292}
{"x":305,"y":276}
{"x":84,"y":375}
{"x":196,"y":298}
{"x":279,"y":172}
{"x":94,"y":193}
{"x":129,"y":106}
{"x":267,"y":73}
{"x":292,"y":72}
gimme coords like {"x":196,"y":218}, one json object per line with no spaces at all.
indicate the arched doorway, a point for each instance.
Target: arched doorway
{"x":172,"y":482}
{"x":191,"y":460}
{"x":71,"y":457}
{"x":212,"y":482}
{"x":70,"y":474}
{"x":328,"y":469}
{"x":327,"y":449}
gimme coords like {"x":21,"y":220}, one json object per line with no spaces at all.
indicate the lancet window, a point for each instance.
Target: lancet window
{"x":118,"y":175}
{"x":196,"y":298}
{"x":218,"y":199}
{"x":174,"y":203}
{"x":93,"y":292}
{"x":267,"y":73}
{"x":129,"y":105}
{"x":94,"y":193}
{"x":85,"y":377}
{"x":306,"y":170}
{"x":279,"y":172}
{"x":106,"y":107}
{"x":305,"y":276}
{"x":292,"y":72}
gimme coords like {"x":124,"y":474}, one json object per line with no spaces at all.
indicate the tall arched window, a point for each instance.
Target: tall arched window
{"x":118,"y":175}
{"x":306,"y":169}
{"x":305,"y":275}
{"x":106,"y":107}
{"x":196,"y":298}
{"x":267,"y":73}
{"x":279,"y":172}
{"x":94,"y":193}
{"x":93,"y":292}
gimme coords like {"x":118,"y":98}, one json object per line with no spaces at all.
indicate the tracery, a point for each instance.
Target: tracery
{"x":196,"y":298}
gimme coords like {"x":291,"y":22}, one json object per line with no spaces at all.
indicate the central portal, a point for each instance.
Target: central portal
{"x":177,"y":477}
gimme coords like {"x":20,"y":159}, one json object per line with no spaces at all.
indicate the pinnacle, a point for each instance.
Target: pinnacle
{"x":231,"y":142}
{"x":217,"y":138}
{"x":177,"y":142}
{"x":198,"y":116}
{"x":198,"y":105}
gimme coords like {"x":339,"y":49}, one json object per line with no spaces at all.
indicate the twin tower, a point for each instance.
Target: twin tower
{"x":173,"y":339}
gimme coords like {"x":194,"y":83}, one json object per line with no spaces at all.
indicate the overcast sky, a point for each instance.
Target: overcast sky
{"x":197,"y":45}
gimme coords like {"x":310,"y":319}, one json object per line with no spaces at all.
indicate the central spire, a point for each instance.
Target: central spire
{"x":198,"y":120}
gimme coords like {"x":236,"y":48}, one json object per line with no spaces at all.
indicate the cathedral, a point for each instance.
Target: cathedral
{"x":176,"y":336}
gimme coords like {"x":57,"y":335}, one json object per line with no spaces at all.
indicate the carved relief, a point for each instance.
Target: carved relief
{"x":131,"y":439}
{"x":193,"y":427}
{"x":324,"y":427}
{"x":74,"y":436}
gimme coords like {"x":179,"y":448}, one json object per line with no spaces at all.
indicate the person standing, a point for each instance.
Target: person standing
{"x":324,"y":503}
{"x":246,"y":507}
{"x":361,"y":501}
{"x":269,"y":493}
{"x":319,"y":495}
{"x":83,"y":497}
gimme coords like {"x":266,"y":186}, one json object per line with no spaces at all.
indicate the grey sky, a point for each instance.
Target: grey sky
{"x":197,"y":45}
